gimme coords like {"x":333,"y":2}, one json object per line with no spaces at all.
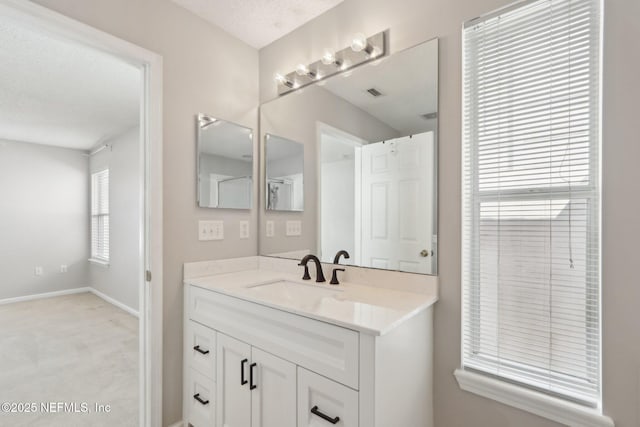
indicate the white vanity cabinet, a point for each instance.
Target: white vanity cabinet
{"x":274,"y":368}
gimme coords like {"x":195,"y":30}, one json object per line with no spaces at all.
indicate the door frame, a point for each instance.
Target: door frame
{"x":151,"y":281}
{"x":324,"y":129}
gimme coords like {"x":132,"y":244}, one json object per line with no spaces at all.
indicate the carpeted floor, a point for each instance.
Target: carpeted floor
{"x":78,"y":350}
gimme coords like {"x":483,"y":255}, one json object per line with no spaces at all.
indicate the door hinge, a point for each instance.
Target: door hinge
{"x":147,"y":276}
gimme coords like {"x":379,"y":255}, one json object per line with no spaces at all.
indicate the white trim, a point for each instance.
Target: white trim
{"x":541,"y":404}
{"x":44,"y":295}
{"x":35,"y":16}
{"x":113,"y":301}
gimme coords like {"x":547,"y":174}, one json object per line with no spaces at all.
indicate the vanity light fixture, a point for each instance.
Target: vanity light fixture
{"x":284,"y":81}
{"x":360,"y":43}
{"x":361,"y":51}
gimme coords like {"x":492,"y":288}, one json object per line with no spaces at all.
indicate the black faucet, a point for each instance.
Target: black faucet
{"x":336,"y":259}
{"x":319,"y":273}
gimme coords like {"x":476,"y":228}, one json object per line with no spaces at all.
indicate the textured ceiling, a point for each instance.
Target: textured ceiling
{"x":59,"y":93}
{"x":258,"y":22}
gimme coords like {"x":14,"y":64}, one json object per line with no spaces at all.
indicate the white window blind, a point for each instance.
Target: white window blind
{"x":100,"y":215}
{"x":531,"y":197}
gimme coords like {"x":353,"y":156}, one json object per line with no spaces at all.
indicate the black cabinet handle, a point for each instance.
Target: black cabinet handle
{"x":199,"y":350}
{"x":242,"y":380}
{"x":316,"y":411}
{"x":252,"y":385}
{"x":199,"y":399}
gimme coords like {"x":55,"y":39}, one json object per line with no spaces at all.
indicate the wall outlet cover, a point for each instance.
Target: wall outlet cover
{"x":294,"y":228}
{"x":210,"y":230}
{"x":64,"y":268}
{"x":244,"y":229}
{"x":271,"y":229}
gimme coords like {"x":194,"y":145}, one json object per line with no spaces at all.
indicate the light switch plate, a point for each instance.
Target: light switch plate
{"x":38,"y":271}
{"x":294,"y":228}
{"x":244,"y":229}
{"x":271,"y":229}
{"x":210,"y":230}
{"x":63,"y":268}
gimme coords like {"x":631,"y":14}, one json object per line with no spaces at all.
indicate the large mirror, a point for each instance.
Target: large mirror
{"x":284,"y":174}
{"x":370,"y":164}
{"x":225,"y":164}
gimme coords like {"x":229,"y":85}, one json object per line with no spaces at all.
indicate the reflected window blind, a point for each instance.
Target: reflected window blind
{"x":100,"y":215}
{"x":531,"y":197}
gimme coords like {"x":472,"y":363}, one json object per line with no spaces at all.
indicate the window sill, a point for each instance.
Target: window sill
{"x":540,"y":404}
{"x":99,"y":262}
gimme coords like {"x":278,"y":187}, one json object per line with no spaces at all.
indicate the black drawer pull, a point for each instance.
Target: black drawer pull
{"x":199,"y":399}
{"x":252,"y":386}
{"x":316,"y":411}
{"x":242,"y":380}
{"x":199,"y":350}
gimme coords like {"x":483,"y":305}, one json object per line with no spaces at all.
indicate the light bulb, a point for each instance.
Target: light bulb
{"x":359,"y":42}
{"x":328,"y":57}
{"x":302,"y":70}
{"x":283,"y":80}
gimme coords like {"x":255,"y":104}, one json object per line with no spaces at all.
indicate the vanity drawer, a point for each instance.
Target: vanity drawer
{"x":321,"y":401}
{"x":201,"y":349}
{"x":202,"y":400}
{"x":327,"y":349}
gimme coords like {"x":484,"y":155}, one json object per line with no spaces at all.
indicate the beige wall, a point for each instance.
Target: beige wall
{"x":205,"y":70}
{"x":412,"y":21}
{"x":121,"y":279}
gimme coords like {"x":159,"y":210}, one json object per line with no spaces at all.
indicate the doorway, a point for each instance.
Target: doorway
{"x":148,"y":219}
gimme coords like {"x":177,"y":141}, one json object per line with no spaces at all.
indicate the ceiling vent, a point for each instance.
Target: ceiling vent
{"x":374,"y":92}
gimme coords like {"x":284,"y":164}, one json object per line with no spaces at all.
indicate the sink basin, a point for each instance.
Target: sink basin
{"x":294,"y":293}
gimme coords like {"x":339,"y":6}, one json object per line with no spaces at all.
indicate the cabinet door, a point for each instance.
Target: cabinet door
{"x":233,"y":396}
{"x":323,"y":403}
{"x":273,"y":399}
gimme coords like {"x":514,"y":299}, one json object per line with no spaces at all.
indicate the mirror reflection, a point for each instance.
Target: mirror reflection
{"x":225,"y":164}
{"x":285,"y":177}
{"x":371,"y":159}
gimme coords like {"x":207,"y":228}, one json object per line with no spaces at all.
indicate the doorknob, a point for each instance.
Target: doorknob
{"x":424,"y":253}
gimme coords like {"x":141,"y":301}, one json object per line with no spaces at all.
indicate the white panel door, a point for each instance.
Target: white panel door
{"x":322,"y":402}
{"x":397,"y":214}
{"x":233,"y":397}
{"x":273,"y":398}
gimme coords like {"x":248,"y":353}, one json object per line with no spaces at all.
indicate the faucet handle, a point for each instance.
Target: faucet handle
{"x":306,"y":275}
{"x":334,"y":276}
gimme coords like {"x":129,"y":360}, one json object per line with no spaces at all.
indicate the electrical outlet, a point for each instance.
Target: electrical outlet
{"x":210,"y":230}
{"x":271,"y":229}
{"x":63,"y":268}
{"x":294,"y":228}
{"x":38,"y":271}
{"x":244,"y":229}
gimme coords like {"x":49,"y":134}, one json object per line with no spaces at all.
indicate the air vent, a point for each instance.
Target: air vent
{"x":429,"y":116}
{"x":374,"y":92}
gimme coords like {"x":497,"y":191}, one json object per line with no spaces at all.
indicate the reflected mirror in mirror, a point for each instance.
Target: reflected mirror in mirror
{"x":284,"y":174}
{"x":225,"y":164}
{"x":371,"y":141}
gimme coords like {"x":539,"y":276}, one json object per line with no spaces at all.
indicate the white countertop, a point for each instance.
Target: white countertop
{"x":367,"y":309}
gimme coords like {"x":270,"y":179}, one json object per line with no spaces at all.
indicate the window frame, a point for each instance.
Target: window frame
{"x":526,"y":397}
{"x":96,"y":258}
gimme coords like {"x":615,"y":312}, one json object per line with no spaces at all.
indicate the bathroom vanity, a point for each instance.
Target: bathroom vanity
{"x":265,"y":348}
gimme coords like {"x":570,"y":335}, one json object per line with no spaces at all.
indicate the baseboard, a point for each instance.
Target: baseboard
{"x":45,"y":295}
{"x":115,"y":302}
{"x":178,"y":424}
